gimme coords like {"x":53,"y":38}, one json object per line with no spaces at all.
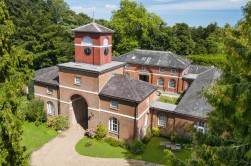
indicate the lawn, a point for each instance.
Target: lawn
{"x":152,"y":153}
{"x":166,"y":99}
{"x":36,"y":136}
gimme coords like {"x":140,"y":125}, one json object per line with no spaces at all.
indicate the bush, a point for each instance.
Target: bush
{"x":137,"y":147}
{"x":58,"y":122}
{"x":148,"y":136}
{"x":88,"y":144}
{"x":34,"y":111}
{"x":124,"y":145}
{"x":90,"y":133}
{"x":156,"y":131}
{"x":101,"y":132}
{"x":112,"y":141}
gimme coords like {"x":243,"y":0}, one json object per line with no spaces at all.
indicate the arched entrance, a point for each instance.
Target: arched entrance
{"x":79,"y":111}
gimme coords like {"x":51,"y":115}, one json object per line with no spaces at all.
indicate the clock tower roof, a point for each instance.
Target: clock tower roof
{"x":93,"y":28}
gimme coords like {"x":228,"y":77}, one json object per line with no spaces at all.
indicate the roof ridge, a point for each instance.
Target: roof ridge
{"x":96,"y":26}
{"x":132,"y":88}
{"x":81,"y":26}
{"x":105,"y":27}
{"x":176,"y":59}
{"x":212,"y":68}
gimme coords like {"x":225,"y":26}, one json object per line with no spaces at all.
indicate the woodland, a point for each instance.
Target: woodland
{"x":38,"y":33}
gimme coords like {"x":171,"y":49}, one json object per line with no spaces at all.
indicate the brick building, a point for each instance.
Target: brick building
{"x":121,"y":93}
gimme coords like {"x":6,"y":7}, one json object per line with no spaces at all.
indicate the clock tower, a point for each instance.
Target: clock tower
{"x":93,"y":44}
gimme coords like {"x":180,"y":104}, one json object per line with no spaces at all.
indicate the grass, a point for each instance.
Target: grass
{"x":152,"y":153}
{"x":36,"y":136}
{"x":166,"y":99}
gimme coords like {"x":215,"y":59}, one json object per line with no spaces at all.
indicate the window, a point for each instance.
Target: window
{"x":143,"y":59}
{"x":148,"y":59}
{"x":87,"y":41}
{"x":161,"y":81}
{"x":114,"y":104}
{"x":78,"y":81}
{"x":49,"y":90}
{"x":105,"y":42}
{"x":173,"y":71}
{"x":161,"y":70}
{"x":201,"y":127}
{"x":162,"y":120}
{"x":143,"y":68}
{"x":127,"y":65}
{"x":172,"y":83}
{"x":50,"y":108}
{"x":114,"y":125}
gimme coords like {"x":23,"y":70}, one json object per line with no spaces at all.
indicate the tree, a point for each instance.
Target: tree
{"x":14,"y":71}
{"x":135,"y":27}
{"x":228,"y":141}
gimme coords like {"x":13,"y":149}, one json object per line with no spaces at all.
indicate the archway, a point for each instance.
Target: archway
{"x":79,"y":111}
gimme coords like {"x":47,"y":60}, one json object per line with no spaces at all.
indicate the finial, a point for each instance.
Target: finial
{"x":93,"y":18}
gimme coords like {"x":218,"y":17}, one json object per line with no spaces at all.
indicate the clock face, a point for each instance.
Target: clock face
{"x":87,"y":51}
{"x":106,"y":51}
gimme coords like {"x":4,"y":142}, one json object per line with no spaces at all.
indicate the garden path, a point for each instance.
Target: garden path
{"x":60,"y":151}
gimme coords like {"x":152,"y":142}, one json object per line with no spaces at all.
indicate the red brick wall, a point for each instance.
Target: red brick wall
{"x":97,"y":56}
{"x":133,"y":70}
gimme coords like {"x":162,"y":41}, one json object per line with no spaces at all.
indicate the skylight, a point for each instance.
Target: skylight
{"x":148,"y":59}
{"x":133,"y":57}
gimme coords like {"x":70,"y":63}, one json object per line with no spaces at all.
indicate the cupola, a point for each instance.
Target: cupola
{"x":93,"y":44}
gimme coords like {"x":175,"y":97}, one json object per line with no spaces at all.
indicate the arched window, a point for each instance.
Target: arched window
{"x":172,"y":83}
{"x":105,"y":42}
{"x":162,"y":120}
{"x":50,"y":108}
{"x":114,"y":125}
{"x":87,"y":41}
{"x":161,"y":81}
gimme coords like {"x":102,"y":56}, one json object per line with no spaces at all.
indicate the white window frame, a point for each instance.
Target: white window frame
{"x":50,"y":108}
{"x":87,"y":41}
{"x":114,"y":125}
{"x":77,"y":81}
{"x":114,"y":104}
{"x":161,"y":70}
{"x":169,"y":83}
{"x":201,"y":126}
{"x":173,"y":71}
{"x":49,"y":90}
{"x":162,"y":120}
{"x":106,"y":41}
{"x":159,"y":80}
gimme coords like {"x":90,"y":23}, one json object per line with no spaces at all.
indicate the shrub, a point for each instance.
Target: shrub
{"x":58,"y":122}
{"x":124,"y":145}
{"x":156,"y":131}
{"x":137,"y":147}
{"x":112,"y":141}
{"x":90,"y":133}
{"x":88,"y":144}
{"x":100,"y":132}
{"x":148,"y":136}
{"x":34,"y":111}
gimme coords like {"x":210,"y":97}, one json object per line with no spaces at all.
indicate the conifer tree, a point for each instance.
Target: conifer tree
{"x":14,"y":72}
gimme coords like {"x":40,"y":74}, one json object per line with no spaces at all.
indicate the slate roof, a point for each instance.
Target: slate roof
{"x":93,"y":28}
{"x":154,"y":58}
{"x":163,"y":106}
{"x":194,"y":103}
{"x":47,"y":75}
{"x":126,"y":88}
{"x":198,"y":69}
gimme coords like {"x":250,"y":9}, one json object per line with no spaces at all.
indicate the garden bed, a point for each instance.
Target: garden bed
{"x":153,"y":153}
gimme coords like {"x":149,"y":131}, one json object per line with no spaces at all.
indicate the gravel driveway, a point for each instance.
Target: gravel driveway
{"x":61,"y":152}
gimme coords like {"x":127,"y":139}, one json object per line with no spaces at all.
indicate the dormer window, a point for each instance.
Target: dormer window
{"x":173,"y":71}
{"x":78,"y":81}
{"x":49,"y":90}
